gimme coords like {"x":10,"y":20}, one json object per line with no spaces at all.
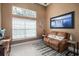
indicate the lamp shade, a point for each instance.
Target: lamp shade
{"x":71,"y":37}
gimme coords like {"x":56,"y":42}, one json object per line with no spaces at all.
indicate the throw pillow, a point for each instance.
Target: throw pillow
{"x":59,"y":38}
{"x":51,"y":36}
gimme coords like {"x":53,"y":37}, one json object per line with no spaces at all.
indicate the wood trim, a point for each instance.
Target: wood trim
{"x":25,"y":17}
{"x":6,"y":45}
{"x":24,"y":40}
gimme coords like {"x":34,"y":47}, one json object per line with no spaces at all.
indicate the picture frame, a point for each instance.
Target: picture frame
{"x":63,"y":21}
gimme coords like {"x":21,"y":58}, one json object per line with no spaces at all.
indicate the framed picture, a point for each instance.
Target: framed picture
{"x":63,"y":21}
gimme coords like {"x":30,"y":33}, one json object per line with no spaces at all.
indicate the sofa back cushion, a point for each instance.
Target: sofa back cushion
{"x":53,"y":33}
{"x":63,"y":34}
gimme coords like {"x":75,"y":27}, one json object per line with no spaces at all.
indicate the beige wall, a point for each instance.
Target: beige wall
{"x":7,"y":16}
{"x":58,"y":9}
{"x":0,"y":14}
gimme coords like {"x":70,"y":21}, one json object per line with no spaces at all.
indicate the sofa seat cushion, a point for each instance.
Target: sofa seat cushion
{"x":59,"y":38}
{"x":51,"y":36}
{"x":56,"y":37}
{"x":54,"y":42}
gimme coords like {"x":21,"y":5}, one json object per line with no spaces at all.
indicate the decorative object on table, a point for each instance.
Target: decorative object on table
{"x":2,"y":32}
{"x":63,"y":21}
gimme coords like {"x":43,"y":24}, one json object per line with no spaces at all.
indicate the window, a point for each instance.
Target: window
{"x":23,"y":28}
{"x":23,"y":12}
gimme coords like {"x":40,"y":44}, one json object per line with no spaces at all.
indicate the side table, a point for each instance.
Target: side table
{"x":74,"y":44}
{"x":6,"y":44}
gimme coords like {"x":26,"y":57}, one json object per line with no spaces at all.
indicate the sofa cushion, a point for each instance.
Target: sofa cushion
{"x":61,"y":34}
{"x":56,"y":37}
{"x":59,"y":38}
{"x":53,"y":33}
{"x":51,"y":36}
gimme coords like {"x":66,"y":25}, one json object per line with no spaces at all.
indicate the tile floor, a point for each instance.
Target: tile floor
{"x":25,"y":49}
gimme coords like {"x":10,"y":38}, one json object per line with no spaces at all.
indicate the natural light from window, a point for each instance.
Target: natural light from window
{"x":23,"y":28}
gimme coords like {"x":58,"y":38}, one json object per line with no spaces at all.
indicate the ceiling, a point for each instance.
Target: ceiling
{"x":44,"y":4}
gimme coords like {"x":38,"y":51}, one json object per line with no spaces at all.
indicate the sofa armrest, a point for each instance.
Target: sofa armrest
{"x":63,"y":45}
{"x":63,"y":42}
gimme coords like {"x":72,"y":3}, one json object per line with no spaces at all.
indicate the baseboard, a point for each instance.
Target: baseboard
{"x":24,"y":40}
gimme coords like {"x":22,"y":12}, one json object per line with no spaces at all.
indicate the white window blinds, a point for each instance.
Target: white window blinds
{"x":23,"y":28}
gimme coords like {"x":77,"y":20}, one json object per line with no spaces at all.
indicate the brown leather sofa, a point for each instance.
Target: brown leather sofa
{"x":59,"y":45}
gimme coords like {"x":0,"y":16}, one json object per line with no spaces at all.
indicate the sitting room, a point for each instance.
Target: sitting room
{"x":39,"y":29}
